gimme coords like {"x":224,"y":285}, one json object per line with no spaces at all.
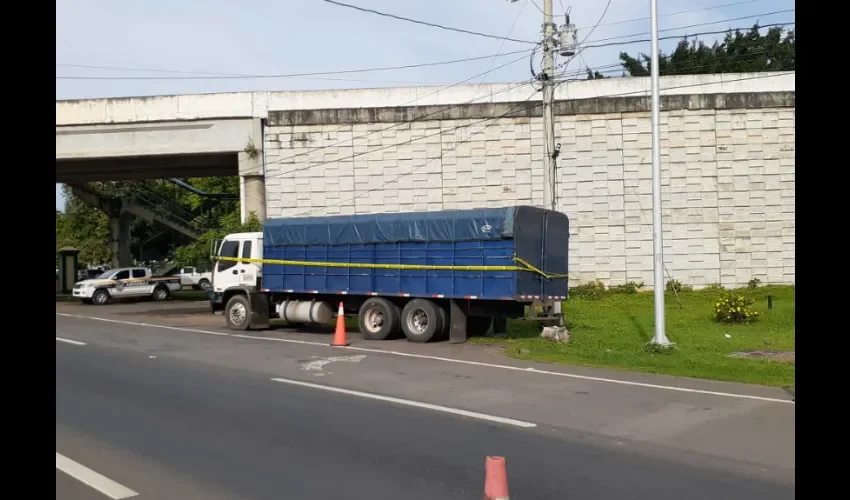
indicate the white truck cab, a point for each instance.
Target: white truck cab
{"x":126,"y":282}
{"x":229,"y":271}
{"x":231,"y":275}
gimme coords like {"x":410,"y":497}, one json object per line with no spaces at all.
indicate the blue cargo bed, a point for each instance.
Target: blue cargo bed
{"x":480,"y":237}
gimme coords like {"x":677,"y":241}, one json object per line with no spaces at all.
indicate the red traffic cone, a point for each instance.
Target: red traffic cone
{"x":339,"y":336}
{"x":496,"y":479}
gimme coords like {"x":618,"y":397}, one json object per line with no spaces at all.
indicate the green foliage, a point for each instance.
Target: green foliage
{"x":675,"y":286}
{"x":630,"y":287}
{"x":592,"y":290}
{"x":197,"y":253}
{"x":85,"y":229}
{"x":738,"y":53}
{"x":753,"y":283}
{"x":734,"y":308}
{"x":715,"y":286}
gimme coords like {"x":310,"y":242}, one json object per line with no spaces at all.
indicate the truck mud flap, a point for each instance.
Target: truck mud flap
{"x":259,"y":311}
{"x":457,"y":323}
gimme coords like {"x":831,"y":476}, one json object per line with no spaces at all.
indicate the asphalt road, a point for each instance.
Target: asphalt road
{"x":175,"y":428}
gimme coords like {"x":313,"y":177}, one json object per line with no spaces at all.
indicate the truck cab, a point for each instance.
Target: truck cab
{"x":230,"y":273}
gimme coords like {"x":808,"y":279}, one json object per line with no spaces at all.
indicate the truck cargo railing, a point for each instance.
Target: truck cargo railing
{"x":523,"y":266}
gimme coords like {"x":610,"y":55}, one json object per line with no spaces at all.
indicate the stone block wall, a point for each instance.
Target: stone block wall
{"x":727,"y":183}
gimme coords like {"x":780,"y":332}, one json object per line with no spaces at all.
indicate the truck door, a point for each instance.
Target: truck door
{"x":247,"y":269}
{"x":227,"y":271}
{"x":122,"y":279}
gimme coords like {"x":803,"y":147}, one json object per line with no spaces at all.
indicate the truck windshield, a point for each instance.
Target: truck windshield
{"x":105,"y":275}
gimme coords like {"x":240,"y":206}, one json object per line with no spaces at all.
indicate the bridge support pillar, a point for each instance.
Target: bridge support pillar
{"x":120,"y":227}
{"x":252,"y":192}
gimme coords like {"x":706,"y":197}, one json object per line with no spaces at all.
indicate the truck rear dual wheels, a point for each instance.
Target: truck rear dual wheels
{"x":378,"y":319}
{"x":422,"y":320}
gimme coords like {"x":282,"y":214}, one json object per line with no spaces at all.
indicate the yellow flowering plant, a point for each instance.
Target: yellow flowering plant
{"x":734,"y":308}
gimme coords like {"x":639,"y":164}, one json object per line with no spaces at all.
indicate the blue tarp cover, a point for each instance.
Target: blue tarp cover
{"x":448,"y":225}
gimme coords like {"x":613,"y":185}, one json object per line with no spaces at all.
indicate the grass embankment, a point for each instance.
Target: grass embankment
{"x":612,"y":331}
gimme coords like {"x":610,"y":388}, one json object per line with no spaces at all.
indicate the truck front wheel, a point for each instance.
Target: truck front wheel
{"x":237,"y":313}
{"x":378,"y":319}
{"x":422,"y":320}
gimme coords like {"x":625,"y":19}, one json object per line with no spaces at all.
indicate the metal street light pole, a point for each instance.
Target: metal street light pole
{"x":660,"y":337}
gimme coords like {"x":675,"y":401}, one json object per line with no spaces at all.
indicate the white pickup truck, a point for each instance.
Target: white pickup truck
{"x":189,"y":276}
{"x":127,"y":282}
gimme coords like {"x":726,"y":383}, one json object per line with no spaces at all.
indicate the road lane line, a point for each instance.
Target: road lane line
{"x":92,"y":479}
{"x":408,"y":402}
{"x":69,"y":341}
{"x":450,"y":360}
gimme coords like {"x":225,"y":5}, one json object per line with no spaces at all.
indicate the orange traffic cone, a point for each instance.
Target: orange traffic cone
{"x":496,"y":480}
{"x":339,"y":335}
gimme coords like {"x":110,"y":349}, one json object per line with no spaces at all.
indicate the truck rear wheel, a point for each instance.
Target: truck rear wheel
{"x":204,"y":284}
{"x":422,"y":320}
{"x":237,"y":313}
{"x":378,"y":319}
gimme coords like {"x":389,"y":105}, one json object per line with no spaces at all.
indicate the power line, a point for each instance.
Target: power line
{"x":425,"y":23}
{"x":609,"y":68}
{"x":678,"y":37}
{"x":285,"y":75}
{"x":764,"y":14}
{"x":711,"y":7}
{"x":418,"y":119}
{"x":523,"y":104}
{"x":388,"y":146}
{"x":515,"y":86}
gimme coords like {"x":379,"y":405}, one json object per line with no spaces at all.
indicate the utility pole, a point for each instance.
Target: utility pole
{"x":549,"y":178}
{"x":660,"y":337}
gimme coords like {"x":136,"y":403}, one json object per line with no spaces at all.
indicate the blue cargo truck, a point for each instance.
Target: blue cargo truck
{"x":426,"y":275}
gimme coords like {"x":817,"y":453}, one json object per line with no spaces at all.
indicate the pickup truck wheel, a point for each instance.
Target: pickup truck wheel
{"x":378,"y":319}
{"x":421,"y":320}
{"x":204,"y":284}
{"x":237,"y":313}
{"x":100,"y":297}
{"x":160,"y":293}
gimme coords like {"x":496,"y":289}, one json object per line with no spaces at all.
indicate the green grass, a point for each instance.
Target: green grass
{"x":612,"y":332}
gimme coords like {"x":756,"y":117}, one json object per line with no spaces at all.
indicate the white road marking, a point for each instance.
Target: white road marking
{"x":91,"y":478}
{"x":407,"y":402}
{"x":450,"y":360}
{"x":69,"y":341}
{"x":318,"y":364}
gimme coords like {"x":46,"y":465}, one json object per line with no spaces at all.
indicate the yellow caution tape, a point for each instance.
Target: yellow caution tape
{"x":524,"y":266}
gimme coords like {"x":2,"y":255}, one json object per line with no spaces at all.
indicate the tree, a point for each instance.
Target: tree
{"x":197,"y":253}
{"x":84,"y":228}
{"x":737,"y":53}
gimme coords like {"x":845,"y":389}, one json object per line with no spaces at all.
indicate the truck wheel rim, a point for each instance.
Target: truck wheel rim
{"x":417,"y":321}
{"x":374,"y":320}
{"x":238,"y":314}
{"x":99,"y":298}
{"x":205,"y":285}
{"x":160,"y":294}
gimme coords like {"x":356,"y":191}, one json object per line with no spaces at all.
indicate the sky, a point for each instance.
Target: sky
{"x":106,"y":48}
